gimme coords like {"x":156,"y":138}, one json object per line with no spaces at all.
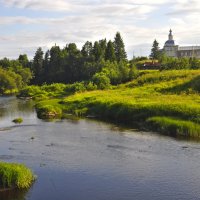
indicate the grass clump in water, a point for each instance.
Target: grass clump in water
{"x":17,"y":120}
{"x":13,"y":175}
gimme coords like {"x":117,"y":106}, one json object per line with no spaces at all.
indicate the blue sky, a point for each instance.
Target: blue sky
{"x":27,"y":24}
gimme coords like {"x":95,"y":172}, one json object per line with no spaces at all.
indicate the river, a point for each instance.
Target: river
{"x":91,"y":160}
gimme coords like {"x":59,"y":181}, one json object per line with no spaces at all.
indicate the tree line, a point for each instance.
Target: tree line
{"x":98,"y":64}
{"x":99,"y":60}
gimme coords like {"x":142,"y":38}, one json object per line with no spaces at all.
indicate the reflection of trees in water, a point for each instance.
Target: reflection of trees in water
{"x":12,"y":105}
{"x":2,"y":112}
{"x":23,"y":105}
{"x":13,"y":195}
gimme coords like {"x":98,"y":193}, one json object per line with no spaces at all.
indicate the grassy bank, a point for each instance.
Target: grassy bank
{"x":14,"y":175}
{"x":155,"y":100}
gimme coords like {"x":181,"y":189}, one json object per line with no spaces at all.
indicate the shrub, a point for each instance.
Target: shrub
{"x":101,"y":80}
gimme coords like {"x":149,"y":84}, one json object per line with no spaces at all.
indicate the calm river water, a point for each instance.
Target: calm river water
{"x":91,"y":160}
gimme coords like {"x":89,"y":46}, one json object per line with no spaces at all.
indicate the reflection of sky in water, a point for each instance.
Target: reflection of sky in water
{"x":93,"y":160}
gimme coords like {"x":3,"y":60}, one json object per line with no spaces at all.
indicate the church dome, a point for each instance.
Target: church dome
{"x":169,"y":43}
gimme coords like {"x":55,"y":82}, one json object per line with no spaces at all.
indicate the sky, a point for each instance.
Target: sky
{"x":26,"y":25}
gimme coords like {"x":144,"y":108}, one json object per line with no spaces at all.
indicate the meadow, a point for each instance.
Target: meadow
{"x":164,"y":101}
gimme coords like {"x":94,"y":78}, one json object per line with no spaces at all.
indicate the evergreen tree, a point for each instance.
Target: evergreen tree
{"x":96,"y":51}
{"x":87,"y":49}
{"x":155,"y":52}
{"x":119,"y":47}
{"x":110,"y":52}
{"x":103,"y":45}
{"x":38,"y":62}
{"x":46,"y":62}
{"x":23,"y":59}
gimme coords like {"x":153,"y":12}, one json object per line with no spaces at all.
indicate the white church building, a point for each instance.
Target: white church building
{"x":173,"y":50}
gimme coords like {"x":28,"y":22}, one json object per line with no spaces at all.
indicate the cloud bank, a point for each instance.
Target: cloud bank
{"x":29,"y":24}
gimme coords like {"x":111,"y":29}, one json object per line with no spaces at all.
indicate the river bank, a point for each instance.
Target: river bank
{"x":166,"y":102}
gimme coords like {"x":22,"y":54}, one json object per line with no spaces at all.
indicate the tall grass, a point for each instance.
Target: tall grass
{"x":14,"y":175}
{"x":174,"y":126}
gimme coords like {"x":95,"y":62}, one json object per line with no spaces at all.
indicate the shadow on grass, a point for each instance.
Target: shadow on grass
{"x":193,"y":85}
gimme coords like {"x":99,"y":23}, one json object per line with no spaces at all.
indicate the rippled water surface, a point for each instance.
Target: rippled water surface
{"x":91,"y":160}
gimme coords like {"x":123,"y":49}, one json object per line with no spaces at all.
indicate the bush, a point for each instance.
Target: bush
{"x":76,"y":87}
{"x":101,"y":80}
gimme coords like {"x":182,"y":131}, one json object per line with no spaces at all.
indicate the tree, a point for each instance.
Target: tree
{"x":87,"y":49}
{"x":46,"y":62}
{"x":23,"y":59}
{"x":119,"y":48}
{"x":155,"y":52}
{"x":110,"y":52}
{"x":38,"y":62}
{"x":96,"y":51}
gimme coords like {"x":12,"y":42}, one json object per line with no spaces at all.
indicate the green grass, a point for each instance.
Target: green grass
{"x":17,"y":120}
{"x":173,"y":96}
{"x":174,"y":126}
{"x":14,"y":175}
{"x":49,"y":109}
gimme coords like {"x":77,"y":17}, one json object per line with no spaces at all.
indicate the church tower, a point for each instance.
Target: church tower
{"x":170,"y":35}
{"x":170,"y":49}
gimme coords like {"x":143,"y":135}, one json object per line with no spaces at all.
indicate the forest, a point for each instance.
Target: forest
{"x":97,"y":65}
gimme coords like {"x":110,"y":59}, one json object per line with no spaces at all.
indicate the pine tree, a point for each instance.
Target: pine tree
{"x":87,"y":49}
{"x":97,"y":51}
{"x":119,"y":48}
{"x":155,"y":52}
{"x":38,"y":62}
{"x":110,"y":52}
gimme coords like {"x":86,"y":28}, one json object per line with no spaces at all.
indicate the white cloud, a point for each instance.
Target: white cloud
{"x":59,"y":5}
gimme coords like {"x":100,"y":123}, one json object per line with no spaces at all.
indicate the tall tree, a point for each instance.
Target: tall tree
{"x":46,"y":62}
{"x":23,"y":59}
{"x":110,"y":52}
{"x":155,"y":52}
{"x":38,"y":62}
{"x":87,"y":49}
{"x":96,"y":51}
{"x":119,"y":47}
{"x":103,"y":45}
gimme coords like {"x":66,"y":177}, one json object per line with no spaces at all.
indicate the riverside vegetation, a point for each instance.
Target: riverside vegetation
{"x":14,"y":175}
{"x":163,"y":101}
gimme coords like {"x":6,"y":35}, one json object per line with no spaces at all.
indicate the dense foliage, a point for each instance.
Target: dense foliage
{"x":106,"y":61}
{"x":14,"y":74}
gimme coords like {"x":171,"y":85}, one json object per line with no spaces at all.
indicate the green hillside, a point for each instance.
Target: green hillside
{"x":166,"y":101}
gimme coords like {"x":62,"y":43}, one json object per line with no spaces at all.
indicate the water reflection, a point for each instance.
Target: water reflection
{"x":13,"y":195}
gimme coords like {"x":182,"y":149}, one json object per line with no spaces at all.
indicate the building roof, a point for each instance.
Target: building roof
{"x":169,"y":43}
{"x":188,"y":48}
